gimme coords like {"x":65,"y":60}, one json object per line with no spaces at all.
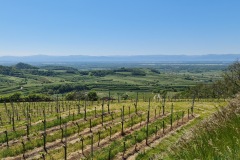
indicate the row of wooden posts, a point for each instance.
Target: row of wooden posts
{"x":85,"y":117}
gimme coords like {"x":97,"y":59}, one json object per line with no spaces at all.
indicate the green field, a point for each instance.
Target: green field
{"x":170,"y":77}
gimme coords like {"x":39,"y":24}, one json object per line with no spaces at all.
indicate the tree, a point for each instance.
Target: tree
{"x":138,"y":72}
{"x":92,"y":96}
{"x":15,"y":97}
{"x":228,"y":86}
{"x":70,"y":96}
{"x":75,"y":96}
{"x":232,"y":78}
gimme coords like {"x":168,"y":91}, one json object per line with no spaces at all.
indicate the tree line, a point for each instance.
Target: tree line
{"x":228,"y":86}
{"x":18,"y":97}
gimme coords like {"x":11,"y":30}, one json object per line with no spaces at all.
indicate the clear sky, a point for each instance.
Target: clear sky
{"x":119,"y":27}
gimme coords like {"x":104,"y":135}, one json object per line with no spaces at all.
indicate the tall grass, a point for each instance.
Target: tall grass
{"x":216,"y":138}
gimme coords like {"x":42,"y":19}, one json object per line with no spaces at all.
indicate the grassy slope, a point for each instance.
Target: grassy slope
{"x":216,"y":138}
{"x":160,"y":151}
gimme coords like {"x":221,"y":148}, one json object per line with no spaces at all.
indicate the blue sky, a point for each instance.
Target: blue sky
{"x":119,"y":27}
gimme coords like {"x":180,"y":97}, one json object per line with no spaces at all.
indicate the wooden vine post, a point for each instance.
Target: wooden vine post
{"x":24,"y":149}
{"x":156,"y":131}
{"x":92,"y":146}
{"x":30,"y":119}
{"x":73,"y":116}
{"x":135,"y":138}
{"x":95,"y":112}
{"x":65,"y":144}
{"x":60,"y":121}
{"x":6,"y":136}
{"x":131,"y":122}
{"x":110,"y":132}
{"x":192,"y":105}
{"x":13,"y":116}
{"x":99,"y":138}
{"x":129,"y":111}
{"x":62,"y":131}
{"x":123,"y":112}
{"x":81,"y":139}
{"x":57,"y":106}
{"x":65,"y":152}
{"x":102,"y":112}
{"x":182,"y":115}
{"x":78,"y":127}
{"x":109,"y":102}
{"x":90,"y":125}
{"x":136,"y":104}
{"x":149,"y":100}
{"x":122,"y":131}
{"x":147,"y":128}
{"x":124,"y":148}
{"x":163,"y":106}
{"x":27,"y":129}
{"x":109,"y":153}
{"x":44,"y":132}
{"x":163,"y":126}
{"x":85,"y":110}
{"x":171,"y":120}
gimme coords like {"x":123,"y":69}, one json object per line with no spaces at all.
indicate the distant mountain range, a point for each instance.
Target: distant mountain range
{"x":135,"y":58}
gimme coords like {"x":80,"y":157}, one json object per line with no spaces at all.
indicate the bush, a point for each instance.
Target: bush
{"x":92,"y":96}
{"x":75,"y":96}
{"x":124,"y":96}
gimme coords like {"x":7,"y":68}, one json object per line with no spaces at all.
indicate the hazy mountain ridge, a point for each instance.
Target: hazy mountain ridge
{"x":134,"y":58}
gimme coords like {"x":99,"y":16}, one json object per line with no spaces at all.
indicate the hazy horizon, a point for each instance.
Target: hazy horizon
{"x":97,"y":55}
{"x":118,"y":55}
{"x":106,"y":28}
{"x":124,"y":58}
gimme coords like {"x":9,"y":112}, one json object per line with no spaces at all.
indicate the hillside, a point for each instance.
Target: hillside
{"x":52,"y":79}
{"x":216,"y":138}
{"x":21,"y":65}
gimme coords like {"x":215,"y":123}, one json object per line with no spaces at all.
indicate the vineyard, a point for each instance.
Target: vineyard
{"x":107,"y":129}
{"x":119,"y":80}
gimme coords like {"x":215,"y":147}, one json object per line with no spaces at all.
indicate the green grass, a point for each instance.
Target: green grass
{"x":159,"y":151}
{"x":202,"y":108}
{"x":216,"y":138}
{"x":117,"y":145}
